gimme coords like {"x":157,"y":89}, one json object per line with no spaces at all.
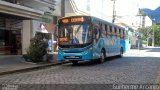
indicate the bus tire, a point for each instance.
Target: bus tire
{"x":102,"y":56}
{"x":74,"y":62}
{"x":121,"y":53}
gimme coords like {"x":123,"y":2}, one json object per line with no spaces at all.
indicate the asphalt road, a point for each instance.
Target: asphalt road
{"x":136,"y":67}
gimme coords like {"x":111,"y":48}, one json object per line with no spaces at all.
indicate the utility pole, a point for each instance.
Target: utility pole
{"x":143,"y":21}
{"x":114,"y":11}
{"x":139,"y":27}
{"x":62,"y":8}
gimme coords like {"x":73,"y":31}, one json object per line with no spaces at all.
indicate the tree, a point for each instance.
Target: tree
{"x":157,"y":36}
{"x":148,"y":32}
{"x":145,"y":32}
{"x":37,"y":49}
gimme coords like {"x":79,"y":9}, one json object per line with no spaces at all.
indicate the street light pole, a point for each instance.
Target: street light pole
{"x":153,"y":35}
{"x":62,"y":8}
{"x":114,"y":14}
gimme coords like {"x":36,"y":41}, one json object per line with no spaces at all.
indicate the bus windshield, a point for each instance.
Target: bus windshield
{"x":75,"y":34}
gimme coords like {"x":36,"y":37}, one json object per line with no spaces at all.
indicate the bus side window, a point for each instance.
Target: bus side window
{"x":124,"y":34}
{"x":115,"y":32}
{"x":100,"y":29}
{"x":90,"y":33}
{"x":118,"y":33}
{"x":110,"y":31}
{"x":121,"y":33}
{"x":106,"y":29}
{"x":96,"y":32}
{"x":103,"y":31}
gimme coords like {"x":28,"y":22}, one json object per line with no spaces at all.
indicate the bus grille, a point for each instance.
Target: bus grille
{"x":73,"y":57}
{"x":71,"y":52}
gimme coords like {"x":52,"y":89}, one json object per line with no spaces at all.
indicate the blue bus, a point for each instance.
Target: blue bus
{"x":89,"y":38}
{"x":125,"y":42}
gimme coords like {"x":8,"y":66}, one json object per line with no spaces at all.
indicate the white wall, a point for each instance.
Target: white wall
{"x":26,"y":35}
{"x":148,"y":21}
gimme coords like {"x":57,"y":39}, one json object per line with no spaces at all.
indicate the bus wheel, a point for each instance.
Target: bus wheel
{"x":74,"y":62}
{"x":121,"y":53}
{"x":102,"y":56}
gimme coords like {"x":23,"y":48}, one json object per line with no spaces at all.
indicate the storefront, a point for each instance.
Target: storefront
{"x":10,"y":36}
{"x":46,"y":27}
{"x":15,"y":27}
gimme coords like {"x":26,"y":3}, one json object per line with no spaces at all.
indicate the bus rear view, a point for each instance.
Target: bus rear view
{"x":75,"y":39}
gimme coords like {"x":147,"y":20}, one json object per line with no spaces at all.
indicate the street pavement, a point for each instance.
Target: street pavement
{"x":15,"y":63}
{"x":136,"y":67}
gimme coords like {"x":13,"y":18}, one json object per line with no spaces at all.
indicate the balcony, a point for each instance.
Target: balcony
{"x":42,"y":5}
{"x":13,"y":8}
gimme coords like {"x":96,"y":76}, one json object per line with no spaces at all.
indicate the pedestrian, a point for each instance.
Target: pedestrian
{"x":49,"y":45}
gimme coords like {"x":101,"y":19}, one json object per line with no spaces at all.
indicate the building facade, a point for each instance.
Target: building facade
{"x":20,"y":20}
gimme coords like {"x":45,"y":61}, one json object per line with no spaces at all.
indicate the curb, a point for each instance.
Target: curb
{"x":32,"y":68}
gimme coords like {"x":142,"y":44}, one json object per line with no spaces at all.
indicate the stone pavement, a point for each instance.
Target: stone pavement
{"x":15,"y":63}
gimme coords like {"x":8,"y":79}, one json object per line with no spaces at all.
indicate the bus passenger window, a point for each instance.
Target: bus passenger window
{"x":124,"y":34}
{"x":118,"y":33}
{"x":110,"y":29}
{"x":103,"y":31}
{"x":106,"y":29}
{"x":121,"y":33}
{"x":96,"y":33}
{"x":115,"y":31}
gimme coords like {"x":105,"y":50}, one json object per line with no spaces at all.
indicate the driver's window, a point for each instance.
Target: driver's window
{"x":89,"y":34}
{"x":96,"y":33}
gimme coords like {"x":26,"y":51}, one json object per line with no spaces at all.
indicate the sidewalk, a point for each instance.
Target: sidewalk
{"x":15,"y":63}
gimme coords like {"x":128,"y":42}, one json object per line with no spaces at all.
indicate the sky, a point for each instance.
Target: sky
{"x":152,"y":4}
{"x":126,"y":10}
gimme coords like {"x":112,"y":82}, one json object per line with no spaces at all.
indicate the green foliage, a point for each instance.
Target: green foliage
{"x":144,"y":32}
{"x":148,"y":32}
{"x":37,"y":49}
{"x":157,"y":36}
{"x":49,"y":57}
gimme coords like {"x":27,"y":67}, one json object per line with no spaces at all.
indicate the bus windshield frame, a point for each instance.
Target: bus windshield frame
{"x":76,"y":35}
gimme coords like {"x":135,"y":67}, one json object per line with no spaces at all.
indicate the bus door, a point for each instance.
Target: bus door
{"x":96,"y":36}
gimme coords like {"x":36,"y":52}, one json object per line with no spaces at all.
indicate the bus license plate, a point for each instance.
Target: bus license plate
{"x":72,"y":57}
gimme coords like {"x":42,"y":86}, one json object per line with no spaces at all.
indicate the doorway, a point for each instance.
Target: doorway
{"x":10,"y":42}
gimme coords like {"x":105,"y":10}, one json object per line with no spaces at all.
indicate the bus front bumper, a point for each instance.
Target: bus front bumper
{"x":75,"y":56}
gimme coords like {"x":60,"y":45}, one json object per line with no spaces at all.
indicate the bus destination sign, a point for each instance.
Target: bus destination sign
{"x":72,"y":20}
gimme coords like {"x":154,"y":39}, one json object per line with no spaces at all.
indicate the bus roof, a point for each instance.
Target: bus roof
{"x":106,"y":22}
{"x":95,"y":19}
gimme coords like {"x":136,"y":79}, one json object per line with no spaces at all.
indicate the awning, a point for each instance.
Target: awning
{"x":18,"y":10}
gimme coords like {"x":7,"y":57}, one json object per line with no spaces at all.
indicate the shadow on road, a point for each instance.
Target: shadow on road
{"x":153,"y":49}
{"x":92,"y":63}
